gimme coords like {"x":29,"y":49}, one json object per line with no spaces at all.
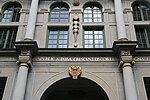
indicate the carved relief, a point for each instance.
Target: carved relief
{"x":126,"y":58}
{"x":24,"y":58}
{"x":75,"y":2}
{"x":125,"y":52}
{"x":75,"y":71}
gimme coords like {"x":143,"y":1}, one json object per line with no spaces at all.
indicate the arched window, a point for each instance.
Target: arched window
{"x":59,"y":13}
{"x":93,"y":36}
{"x":141,"y":11}
{"x":57,"y":37}
{"x":92,"y":13}
{"x":11,"y":12}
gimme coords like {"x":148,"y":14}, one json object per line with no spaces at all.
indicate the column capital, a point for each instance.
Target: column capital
{"x":26,"y":50}
{"x":25,"y":58}
{"x":126,"y":59}
{"x":124,"y":47}
{"x":125,"y":50}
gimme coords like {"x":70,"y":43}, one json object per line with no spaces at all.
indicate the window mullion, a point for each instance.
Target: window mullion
{"x":59,"y":13}
{"x":58,"y":38}
{"x":11,"y":40}
{"x":93,"y":39}
{"x":2,"y":38}
{"x":6,"y":38}
{"x":12,"y":14}
{"x":141,"y":13}
{"x":146,"y":37}
{"x":92,"y":14}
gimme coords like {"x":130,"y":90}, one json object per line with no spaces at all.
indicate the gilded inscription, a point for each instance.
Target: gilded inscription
{"x":84,"y":59}
{"x":75,"y":59}
{"x":139,"y":59}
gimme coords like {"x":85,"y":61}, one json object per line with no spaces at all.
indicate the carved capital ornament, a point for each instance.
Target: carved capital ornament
{"x":75,"y":71}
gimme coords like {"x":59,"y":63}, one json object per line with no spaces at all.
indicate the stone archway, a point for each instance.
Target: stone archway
{"x":69,"y":89}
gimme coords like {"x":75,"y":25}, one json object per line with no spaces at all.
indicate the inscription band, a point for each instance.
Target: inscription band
{"x":74,"y":59}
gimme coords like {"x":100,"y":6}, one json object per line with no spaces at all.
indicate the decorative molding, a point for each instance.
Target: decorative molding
{"x":44,"y":10}
{"x":75,"y":71}
{"x":127,"y":9}
{"x":24,"y":10}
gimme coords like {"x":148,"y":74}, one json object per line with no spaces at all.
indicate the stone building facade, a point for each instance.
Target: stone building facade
{"x":74,"y":49}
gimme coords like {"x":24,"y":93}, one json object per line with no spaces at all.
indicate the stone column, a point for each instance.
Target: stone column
{"x":120,"y":20}
{"x":128,"y":77}
{"x":32,"y":20}
{"x":24,"y":63}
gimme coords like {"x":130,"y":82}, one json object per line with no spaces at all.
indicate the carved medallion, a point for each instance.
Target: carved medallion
{"x":75,"y":71}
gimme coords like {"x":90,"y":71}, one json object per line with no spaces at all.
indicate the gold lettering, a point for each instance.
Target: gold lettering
{"x":81,"y":59}
{"x":139,"y":59}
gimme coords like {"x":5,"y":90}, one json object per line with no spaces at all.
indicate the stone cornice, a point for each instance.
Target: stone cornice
{"x":73,"y":51}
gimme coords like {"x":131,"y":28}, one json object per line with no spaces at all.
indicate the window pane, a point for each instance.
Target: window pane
{"x":11,"y":13}
{"x":93,"y":39}
{"x":7,"y":37}
{"x":59,"y":14}
{"x":92,"y":14}
{"x":58,"y":39}
{"x":141,"y":12}
{"x":143,"y":37}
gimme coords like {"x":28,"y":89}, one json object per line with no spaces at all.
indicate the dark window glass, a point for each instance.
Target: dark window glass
{"x":143,"y":37}
{"x":11,"y":13}
{"x":93,"y":39}
{"x":7,"y":36}
{"x":147,"y":86}
{"x":58,"y":39}
{"x":59,"y":14}
{"x":141,"y":12}
{"x":92,"y":14}
{"x":2,"y":86}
